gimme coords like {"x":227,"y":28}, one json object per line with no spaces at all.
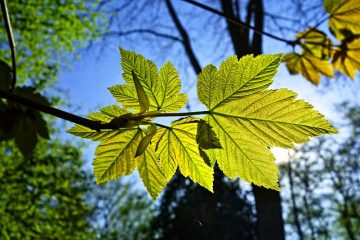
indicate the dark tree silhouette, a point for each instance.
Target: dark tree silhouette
{"x":187,"y":211}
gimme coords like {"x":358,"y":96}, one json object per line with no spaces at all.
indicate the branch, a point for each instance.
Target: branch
{"x":51,"y":110}
{"x":95,"y":125}
{"x":238,"y":22}
{"x":185,"y":37}
{"x":11,"y":40}
{"x":147,"y":31}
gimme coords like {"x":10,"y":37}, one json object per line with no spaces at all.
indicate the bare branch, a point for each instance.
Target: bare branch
{"x":238,"y":22}
{"x":11,"y":40}
{"x":146,"y":31}
{"x":185,"y":37}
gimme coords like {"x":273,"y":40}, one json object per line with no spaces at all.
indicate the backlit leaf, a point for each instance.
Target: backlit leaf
{"x":242,"y":122}
{"x":105,"y":115}
{"x":236,"y":78}
{"x":150,"y":173}
{"x":115,"y":156}
{"x":145,"y":141}
{"x":248,"y":125}
{"x":176,"y":146}
{"x":344,"y":14}
{"x":346,"y":58}
{"x":315,"y":42}
{"x":141,"y":95}
{"x":309,"y":66}
{"x":161,"y":89}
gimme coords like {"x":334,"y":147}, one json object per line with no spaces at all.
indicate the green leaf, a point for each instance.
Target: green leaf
{"x":5,"y":76}
{"x":171,"y":100}
{"x":145,"y":141}
{"x":162,"y":90}
{"x":141,"y":95}
{"x":176,"y":146}
{"x":115,"y":156}
{"x":22,"y":123}
{"x":242,"y":155}
{"x":275,"y":118}
{"x":105,"y":115}
{"x":344,"y":14}
{"x":150,"y":173}
{"x":206,"y":137}
{"x":247,"y":124}
{"x":236,"y":78}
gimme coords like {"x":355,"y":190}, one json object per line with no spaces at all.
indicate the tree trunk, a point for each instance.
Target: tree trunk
{"x":270,"y":224}
{"x":293,"y":202}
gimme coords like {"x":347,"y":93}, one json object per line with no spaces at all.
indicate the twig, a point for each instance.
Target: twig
{"x":11,"y":40}
{"x":51,"y":110}
{"x":95,"y":125}
{"x":238,"y":22}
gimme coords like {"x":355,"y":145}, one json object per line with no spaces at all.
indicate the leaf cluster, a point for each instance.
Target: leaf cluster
{"x":22,"y":123}
{"x":319,"y":55}
{"x":243,"y":120}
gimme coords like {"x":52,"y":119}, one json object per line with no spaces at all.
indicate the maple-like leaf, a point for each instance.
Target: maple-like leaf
{"x":243,"y":120}
{"x":309,"y":66}
{"x":161,"y":89}
{"x":315,"y":42}
{"x":151,"y":173}
{"x":116,"y":153}
{"x":346,"y":58}
{"x":344,"y":14}
{"x":248,"y":119}
{"x":176,"y":147}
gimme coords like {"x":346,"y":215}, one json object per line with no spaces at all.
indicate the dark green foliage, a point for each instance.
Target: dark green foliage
{"x":5,"y":76}
{"x":187,"y":211}
{"x":21,"y":123}
{"x":42,"y":195}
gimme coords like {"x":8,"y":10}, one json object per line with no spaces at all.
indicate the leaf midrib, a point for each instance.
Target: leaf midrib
{"x":267,"y":120}
{"x":240,"y":87}
{"x":239,"y":147}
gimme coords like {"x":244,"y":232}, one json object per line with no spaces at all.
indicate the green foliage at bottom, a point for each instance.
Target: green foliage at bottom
{"x":42,"y":195}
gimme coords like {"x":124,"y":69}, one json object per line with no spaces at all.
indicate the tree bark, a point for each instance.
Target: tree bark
{"x":293,"y":202}
{"x":270,"y":224}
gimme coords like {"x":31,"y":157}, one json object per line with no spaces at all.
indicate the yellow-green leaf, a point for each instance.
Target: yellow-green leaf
{"x":242,"y":155}
{"x":248,"y":124}
{"x":126,"y":95}
{"x":115,"y":156}
{"x":346,"y":58}
{"x":170,"y":100}
{"x":275,"y":118}
{"x":344,"y":14}
{"x":145,"y":141}
{"x":150,"y":173}
{"x":309,"y":66}
{"x":176,"y":146}
{"x":141,"y":95}
{"x":236,"y":78}
{"x":105,"y":115}
{"x":161,"y":89}
{"x":315,"y":42}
